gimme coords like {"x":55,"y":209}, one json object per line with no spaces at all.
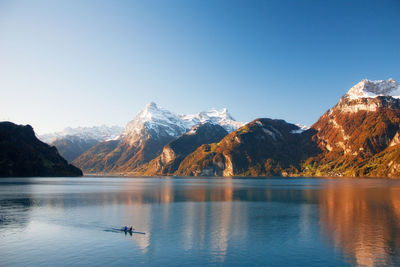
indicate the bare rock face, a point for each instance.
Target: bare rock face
{"x":22,"y":154}
{"x":172,"y":155}
{"x":363,"y":124}
{"x":262,"y":147}
{"x":395,"y":140}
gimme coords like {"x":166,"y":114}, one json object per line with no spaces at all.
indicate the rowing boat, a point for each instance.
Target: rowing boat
{"x":131,"y":231}
{"x":127,"y":230}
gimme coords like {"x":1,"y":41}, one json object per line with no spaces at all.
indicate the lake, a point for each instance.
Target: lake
{"x":254,"y":222}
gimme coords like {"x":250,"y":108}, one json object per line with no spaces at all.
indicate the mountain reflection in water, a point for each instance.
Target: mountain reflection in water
{"x":363,"y":221}
{"x":266,"y":221}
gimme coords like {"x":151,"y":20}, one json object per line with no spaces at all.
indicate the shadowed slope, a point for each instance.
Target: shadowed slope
{"x":22,"y":154}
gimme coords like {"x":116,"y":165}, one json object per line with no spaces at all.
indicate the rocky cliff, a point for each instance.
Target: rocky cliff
{"x":168,"y":162}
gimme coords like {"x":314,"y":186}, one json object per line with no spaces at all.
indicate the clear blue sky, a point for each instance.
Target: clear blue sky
{"x":84,"y":63}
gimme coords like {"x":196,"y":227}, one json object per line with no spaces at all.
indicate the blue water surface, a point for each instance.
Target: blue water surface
{"x":186,"y":221}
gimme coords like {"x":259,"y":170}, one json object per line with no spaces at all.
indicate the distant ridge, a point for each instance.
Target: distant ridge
{"x":72,"y":142}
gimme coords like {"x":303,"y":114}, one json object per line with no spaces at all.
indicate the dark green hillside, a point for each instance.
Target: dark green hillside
{"x":22,"y":154}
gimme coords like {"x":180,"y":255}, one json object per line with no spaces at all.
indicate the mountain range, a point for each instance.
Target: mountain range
{"x":72,"y":142}
{"x":145,"y":137}
{"x":359,"y":136}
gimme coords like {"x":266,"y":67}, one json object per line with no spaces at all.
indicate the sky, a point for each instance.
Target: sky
{"x":85,"y":63}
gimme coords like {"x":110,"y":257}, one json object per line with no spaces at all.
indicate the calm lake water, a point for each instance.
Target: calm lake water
{"x":268,"y":222}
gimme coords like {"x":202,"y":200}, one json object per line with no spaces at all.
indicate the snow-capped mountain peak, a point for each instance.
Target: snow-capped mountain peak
{"x":370,"y":89}
{"x":149,"y":111}
{"x":301,"y":128}
{"x":154,"y":121}
{"x":98,"y":133}
{"x":220,"y":117}
{"x":158,"y":122}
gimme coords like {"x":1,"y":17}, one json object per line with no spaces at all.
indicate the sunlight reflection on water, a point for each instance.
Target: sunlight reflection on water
{"x":274,"y":222}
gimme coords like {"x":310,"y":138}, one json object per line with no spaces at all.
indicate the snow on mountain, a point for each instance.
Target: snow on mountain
{"x":371,"y":89}
{"x":159,"y":122}
{"x":98,"y":133}
{"x":301,"y":129}
{"x":155,"y":121}
{"x":220,"y":117}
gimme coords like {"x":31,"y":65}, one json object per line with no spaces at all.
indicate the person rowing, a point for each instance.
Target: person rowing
{"x":131,"y":230}
{"x":126,"y":229}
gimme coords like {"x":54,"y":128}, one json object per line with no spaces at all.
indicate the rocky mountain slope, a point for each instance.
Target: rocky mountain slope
{"x":173,"y":153}
{"x":144,"y":138}
{"x":262,"y":147}
{"x":71,"y":147}
{"x":100,"y":158}
{"x":362,"y":128}
{"x":22,"y":154}
{"x":72,"y":142}
{"x":359,"y":136}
